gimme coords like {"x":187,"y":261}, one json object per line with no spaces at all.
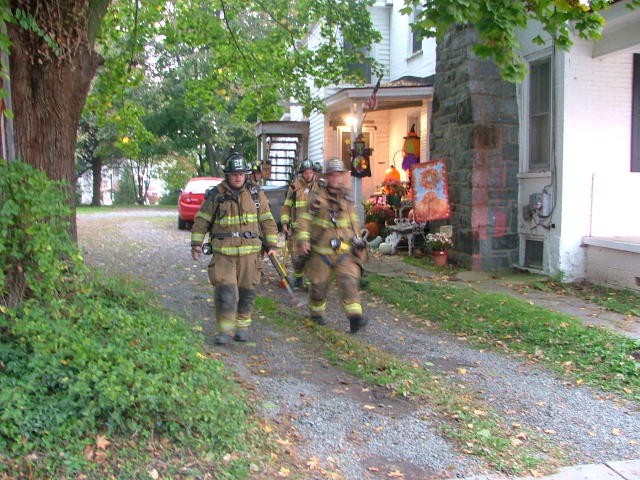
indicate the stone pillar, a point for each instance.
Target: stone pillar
{"x":475,"y":129}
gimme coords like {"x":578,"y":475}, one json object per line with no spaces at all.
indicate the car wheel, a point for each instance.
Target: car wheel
{"x":182,"y":224}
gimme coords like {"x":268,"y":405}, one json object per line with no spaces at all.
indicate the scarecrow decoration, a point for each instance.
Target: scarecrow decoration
{"x":411,"y":149}
{"x":360,"y":154}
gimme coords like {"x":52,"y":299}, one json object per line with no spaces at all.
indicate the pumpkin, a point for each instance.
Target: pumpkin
{"x":373,"y":228}
{"x":391,"y":174}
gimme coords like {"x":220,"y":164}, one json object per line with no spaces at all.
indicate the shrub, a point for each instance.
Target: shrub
{"x":36,"y":252}
{"x":81,"y":357}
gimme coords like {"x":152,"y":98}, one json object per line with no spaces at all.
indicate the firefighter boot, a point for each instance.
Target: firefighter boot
{"x":242,"y":335}
{"x":356,"y":322}
{"x":318,"y":320}
{"x":298,"y":283}
{"x":221,"y":339}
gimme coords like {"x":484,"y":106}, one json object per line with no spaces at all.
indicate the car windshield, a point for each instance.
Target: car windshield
{"x":200,"y":186}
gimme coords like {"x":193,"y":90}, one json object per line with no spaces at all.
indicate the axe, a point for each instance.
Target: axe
{"x":282,"y":273}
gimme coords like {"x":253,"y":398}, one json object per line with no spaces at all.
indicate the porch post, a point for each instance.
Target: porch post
{"x":357,"y":112}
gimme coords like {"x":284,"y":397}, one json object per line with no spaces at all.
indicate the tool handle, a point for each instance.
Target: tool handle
{"x":281,"y":273}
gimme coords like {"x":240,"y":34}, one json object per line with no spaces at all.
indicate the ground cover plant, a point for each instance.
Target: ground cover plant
{"x":589,"y":355}
{"x":97,"y":381}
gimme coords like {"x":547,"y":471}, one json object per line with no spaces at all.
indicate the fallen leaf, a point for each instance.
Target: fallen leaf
{"x":462,"y":371}
{"x":313,"y":463}
{"x":373,"y":469}
{"x":615,"y":431}
{"x":369,"y":407}
{"x":550,"y":431}
{"x":395,"y":474}
{"x":153,"y":473}
{"x":284,"y":442}
{"x":102,"y":442}
{"x":284,"y":472}
{"x":88,"y":452}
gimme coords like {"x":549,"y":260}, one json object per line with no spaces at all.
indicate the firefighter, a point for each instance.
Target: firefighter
{"x":294,"y":204}
{"x":317,"y":170}
{"x":237,"y":217}
{"x":328,"y":231}
{"x":256,"y":174}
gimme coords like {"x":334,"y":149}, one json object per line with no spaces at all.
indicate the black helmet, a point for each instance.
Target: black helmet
{"x":235,"y":163}
{"x":317,"y":167}
{"x":306,"y":163}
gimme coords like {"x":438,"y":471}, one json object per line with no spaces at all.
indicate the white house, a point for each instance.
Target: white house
{"x":579,"y":143}
{"x":403,"y":100}
{"x":579,"y":180}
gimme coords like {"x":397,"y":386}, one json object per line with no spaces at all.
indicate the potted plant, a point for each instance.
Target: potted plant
{"x":375,"y":216}
{"x":394,"y":190}
{"x":439,"y":244}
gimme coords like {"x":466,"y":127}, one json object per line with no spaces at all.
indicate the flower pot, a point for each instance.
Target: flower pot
{"x":439,"y":257}
{"x":394,"y":200}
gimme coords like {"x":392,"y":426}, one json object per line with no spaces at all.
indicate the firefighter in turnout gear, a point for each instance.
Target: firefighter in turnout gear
{"x":328,"y":231}
{"x":295,"y":204}
{"x":255,"y":176}
{"x":237,"y":217}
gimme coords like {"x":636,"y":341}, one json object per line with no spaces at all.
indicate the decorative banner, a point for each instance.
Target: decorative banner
{"x":430,"y":191}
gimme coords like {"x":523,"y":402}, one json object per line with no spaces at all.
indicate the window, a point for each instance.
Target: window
{"x":635,"y":116}
{"x":416,"y":38}
{"x":361,"y":70}
{"x":539,"y":130}
{"x":533,"y":253}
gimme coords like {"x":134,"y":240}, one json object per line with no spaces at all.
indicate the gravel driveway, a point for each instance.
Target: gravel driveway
{"x":338,"y":426}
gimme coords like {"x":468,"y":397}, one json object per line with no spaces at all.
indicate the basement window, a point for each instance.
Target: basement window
{"x":533,"y":253}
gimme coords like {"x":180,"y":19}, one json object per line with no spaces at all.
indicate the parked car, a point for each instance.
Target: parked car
{"x":191,"y":197}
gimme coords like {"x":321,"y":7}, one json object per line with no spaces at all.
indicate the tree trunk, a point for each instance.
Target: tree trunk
{"x":96,"y":172}
{"x":49,"y":91}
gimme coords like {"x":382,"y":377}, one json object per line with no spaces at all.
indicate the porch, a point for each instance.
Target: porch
{"x":613,"y":261}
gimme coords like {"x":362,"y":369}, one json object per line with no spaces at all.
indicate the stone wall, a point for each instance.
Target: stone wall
{"x":475,"y":129}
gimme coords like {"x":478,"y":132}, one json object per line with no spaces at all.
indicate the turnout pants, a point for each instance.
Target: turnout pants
{"x":298,"y":258}
{"x":347,"y":271}
{"x":235,"y":280}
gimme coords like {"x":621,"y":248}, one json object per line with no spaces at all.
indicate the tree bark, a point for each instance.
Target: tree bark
{"x":96,"y":172}
{"x":49,"y":91}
